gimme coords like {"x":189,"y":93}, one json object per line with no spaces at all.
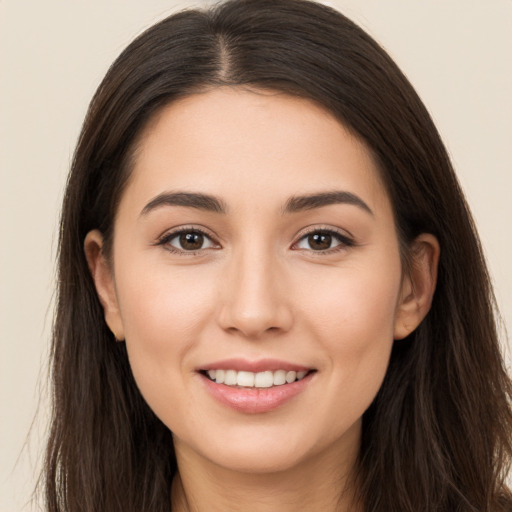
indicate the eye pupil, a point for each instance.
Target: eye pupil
{"x":191,"y":241}
{"x":320,"y":241}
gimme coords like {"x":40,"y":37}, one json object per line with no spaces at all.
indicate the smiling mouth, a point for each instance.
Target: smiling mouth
{"x":245,"y":379}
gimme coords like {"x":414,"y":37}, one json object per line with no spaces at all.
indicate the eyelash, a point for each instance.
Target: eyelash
{"x":167,"y":237}
{"x":343,"y":240}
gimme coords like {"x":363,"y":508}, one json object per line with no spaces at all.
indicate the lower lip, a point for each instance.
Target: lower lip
{"x":256,"y":400}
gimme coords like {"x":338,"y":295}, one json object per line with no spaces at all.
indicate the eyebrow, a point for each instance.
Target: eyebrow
{"x":187,"y":199}
{"x":294,"y":205}
{"x":308,"y":202}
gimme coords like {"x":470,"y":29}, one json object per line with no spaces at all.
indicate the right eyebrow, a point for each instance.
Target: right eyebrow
{"x":318,"y":200}
{"x":186,"y":199}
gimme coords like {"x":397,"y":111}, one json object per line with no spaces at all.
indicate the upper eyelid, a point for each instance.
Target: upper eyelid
{"x":346,"y":240}
{"x":172,"y":232}
{"x":308,"y":230}
{"x":165,"y":239}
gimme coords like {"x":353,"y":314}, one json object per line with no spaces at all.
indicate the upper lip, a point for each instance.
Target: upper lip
{"x":260,"y":365}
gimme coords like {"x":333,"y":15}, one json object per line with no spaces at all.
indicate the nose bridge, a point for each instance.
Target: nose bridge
{"x":254,"y":297}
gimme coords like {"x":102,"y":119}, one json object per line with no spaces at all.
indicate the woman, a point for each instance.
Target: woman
{"x":271,"y":291}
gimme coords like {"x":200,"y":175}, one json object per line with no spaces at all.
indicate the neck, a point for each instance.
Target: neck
{"x":323,"y":482}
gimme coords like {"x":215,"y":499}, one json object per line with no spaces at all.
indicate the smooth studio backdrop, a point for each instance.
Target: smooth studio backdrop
{"x":53,"y":54}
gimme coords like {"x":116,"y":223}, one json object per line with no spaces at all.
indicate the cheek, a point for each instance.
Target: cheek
{"x":358,"y":303}
{"x":163,"y":312}
{"x":163,"y":304}
{"x":353,"y":320}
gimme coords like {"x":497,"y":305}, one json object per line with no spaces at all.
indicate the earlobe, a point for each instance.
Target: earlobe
{"x":418,"y":285}
{"x":103,"y":278}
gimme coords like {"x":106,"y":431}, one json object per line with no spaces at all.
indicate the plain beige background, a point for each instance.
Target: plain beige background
{"x":457,"y":53}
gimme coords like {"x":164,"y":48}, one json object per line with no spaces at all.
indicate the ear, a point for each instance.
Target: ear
{"x":103,"y":278}
{"x":418,"y":285}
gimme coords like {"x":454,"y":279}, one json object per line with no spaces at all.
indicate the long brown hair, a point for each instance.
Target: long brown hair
{"x":438,"y":435}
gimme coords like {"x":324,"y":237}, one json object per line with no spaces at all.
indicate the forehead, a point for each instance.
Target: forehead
{"x":239,"y":143}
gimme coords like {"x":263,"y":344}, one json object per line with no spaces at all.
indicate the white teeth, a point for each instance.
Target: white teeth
{"x":291,"y":376}
{"x":230,"y":378}
{"x":245,"y":379}
{"x":264,"y":380}
{"x":279,"y":377}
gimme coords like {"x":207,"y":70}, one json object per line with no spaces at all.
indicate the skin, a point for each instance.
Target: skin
{"x":258,"y":289}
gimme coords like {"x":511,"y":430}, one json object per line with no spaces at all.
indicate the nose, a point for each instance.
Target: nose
{"x":254,"y":298}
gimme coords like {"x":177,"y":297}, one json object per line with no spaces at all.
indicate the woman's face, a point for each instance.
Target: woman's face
{"x":255,"y":244}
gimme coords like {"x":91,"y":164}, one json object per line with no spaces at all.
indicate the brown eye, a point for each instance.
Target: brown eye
{"x":191,"y":241}
{"x":324,"y":241}
{"x":320,"y":241}
{"x":187,"y":241}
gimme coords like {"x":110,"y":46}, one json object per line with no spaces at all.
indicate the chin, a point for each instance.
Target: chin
{"x":247,"y":450}
{"x":259,"y":460}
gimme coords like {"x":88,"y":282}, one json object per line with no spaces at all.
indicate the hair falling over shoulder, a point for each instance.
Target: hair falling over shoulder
{"x":438,"y":436}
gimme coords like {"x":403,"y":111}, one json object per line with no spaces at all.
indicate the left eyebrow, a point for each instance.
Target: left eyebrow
{"x":187,"y":200}
{"x":308,"y":202}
